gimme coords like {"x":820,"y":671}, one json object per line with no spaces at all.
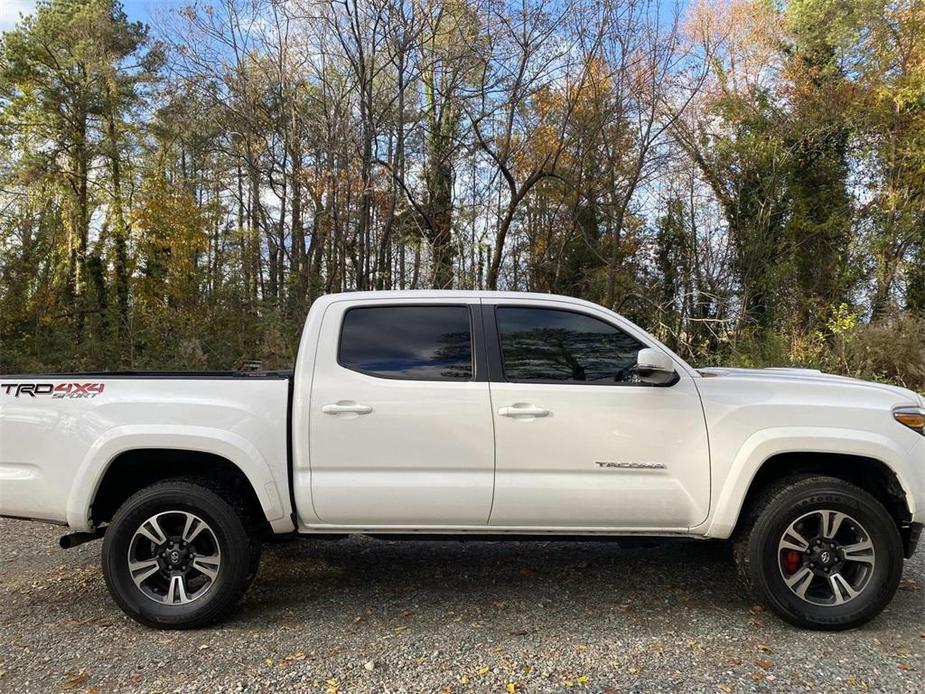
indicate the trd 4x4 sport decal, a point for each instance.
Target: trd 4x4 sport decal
{"x":54,"y":390}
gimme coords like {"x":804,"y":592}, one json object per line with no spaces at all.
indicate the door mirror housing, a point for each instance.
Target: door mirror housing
{"x":655,"y":368}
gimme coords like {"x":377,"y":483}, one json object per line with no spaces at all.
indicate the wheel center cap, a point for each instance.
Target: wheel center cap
{"x":176,"y":557}
{"x":825,"y":557}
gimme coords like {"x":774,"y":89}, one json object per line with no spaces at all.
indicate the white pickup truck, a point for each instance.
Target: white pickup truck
{"x":504,"y":415}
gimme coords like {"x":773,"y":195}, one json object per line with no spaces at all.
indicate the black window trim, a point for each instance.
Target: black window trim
{"x":496,"y":353}
{"x":479,"y":368}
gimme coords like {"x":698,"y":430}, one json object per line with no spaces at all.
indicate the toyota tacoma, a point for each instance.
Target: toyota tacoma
{"x":480,"y":414}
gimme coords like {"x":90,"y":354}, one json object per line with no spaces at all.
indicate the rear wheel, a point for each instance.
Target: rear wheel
{"x":820,"y":552}
{"x":177,"y":556}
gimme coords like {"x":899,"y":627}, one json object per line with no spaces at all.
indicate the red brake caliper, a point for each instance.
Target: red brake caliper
{"x":791,"y":561}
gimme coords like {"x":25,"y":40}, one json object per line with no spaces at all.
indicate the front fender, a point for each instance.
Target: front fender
{"x":218,"y":442}
{"x":766,"y":443}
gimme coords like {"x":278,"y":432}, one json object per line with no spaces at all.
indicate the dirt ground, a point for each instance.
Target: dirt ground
{"x":364,"y":615}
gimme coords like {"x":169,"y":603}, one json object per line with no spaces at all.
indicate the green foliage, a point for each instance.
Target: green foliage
{"x":890,"y":350}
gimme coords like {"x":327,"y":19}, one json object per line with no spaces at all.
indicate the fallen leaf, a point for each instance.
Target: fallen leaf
{"x":463,"y":679}
{"x":483,"y":670}
{"x":298,"y":655}
{"x":519,"y":632}
{"x":400,"y":628}
{"x":582,"y":679}
{"x":724,"y":688}
{"x":77,"y":679}
{"x":511,"y":687}
{"x":757,"y":676}
{"x":756,"y":608}
{"x":857,"y":683}
{"x":763,"y":664}
{"x":905,"y":667}
{"x":3,"y":672}
{"x":761,"y":647}
{"x":369,"y":665}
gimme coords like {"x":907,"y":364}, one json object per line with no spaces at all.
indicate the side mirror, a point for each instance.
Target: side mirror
{"x":655,"y":368}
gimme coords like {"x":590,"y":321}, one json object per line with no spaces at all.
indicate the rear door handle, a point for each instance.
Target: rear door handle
{"x":346,"y":408}
{"x":521,"y":409}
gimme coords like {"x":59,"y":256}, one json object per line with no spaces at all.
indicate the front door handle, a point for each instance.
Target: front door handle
{"x":522,"y":409}
{"x":346,"y":408}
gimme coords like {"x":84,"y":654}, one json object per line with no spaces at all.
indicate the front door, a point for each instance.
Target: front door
{"x":400,"y":423}
{"x":580,"y":443}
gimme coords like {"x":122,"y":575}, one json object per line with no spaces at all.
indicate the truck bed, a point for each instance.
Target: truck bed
{"x":69,"y":428}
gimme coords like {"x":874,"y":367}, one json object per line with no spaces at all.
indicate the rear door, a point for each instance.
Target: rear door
{"x":580,"y":441}
{"x":400,"y":421}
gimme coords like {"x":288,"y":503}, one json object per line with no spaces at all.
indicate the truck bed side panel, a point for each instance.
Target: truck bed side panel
{"x":58,"y":436}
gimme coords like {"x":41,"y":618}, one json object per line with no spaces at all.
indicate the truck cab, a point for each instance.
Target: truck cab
{"x":513,"y":413}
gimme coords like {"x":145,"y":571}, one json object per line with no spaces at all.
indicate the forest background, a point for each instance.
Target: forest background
{"x":744,"y":178}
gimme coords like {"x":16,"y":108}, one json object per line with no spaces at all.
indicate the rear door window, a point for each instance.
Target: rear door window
{"x":432,"y":343}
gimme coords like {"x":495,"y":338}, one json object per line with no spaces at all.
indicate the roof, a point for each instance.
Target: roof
{"x":455,"y":294}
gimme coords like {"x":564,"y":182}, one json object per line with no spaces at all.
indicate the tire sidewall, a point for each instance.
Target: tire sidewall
{"x":764,"y":559}
{"x":230,"y":534}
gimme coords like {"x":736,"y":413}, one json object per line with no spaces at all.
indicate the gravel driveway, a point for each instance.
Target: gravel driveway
{"x":363,"y":615}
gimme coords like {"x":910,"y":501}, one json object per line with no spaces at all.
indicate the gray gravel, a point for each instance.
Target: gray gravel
{"x":364,"y":615}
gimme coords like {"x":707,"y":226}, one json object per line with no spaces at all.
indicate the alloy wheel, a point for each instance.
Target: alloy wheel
{"x":826,"y":557}
{"x":174,"y":557}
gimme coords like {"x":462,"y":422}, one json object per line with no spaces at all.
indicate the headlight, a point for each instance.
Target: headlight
{"x":912,"y":417}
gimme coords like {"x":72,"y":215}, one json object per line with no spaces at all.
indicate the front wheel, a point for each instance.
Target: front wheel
{"x":178,"y":556}
{"x":820,"y":552}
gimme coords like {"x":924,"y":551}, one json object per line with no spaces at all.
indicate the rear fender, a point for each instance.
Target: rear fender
{"x":276,"y":506}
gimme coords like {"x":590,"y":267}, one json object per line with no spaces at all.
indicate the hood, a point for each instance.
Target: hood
{"x":810,"y":377}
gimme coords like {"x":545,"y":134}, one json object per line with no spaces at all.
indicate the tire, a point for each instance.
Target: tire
{"x":163,"y":595}
{"x":770,"y":553}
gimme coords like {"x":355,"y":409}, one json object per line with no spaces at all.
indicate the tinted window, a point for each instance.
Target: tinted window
{"x":419,"y":342}
{"x":544,"y":345}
